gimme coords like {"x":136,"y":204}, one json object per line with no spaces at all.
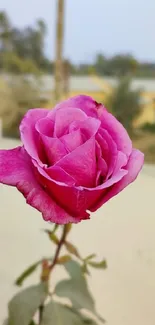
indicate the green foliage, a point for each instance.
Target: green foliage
{"x":68,"y":228}
{"x":24,"y":305}
{"x":55,"y":228}
{"x":72,"y":249}
{"x":19,"y":281}
{"x":118,"y":65}
{"x":121,"y":65}
{"x":63,"y":259}
{"x":14,"y":64}
{"x":32,"y":302}
{"x":73,"y":269}
{"x":52,"y":236}
{"x":5,"y":32}
{"x":58,"y":314}
{"x":150,"y":127}
{"x":76,"y":289}
{"x":21,"y":50}
{"x":125,"y":103}
{"x":99,"y":265}
{"x":89,"y":257}
{"x":85,"y":268}
{"x":15,"y":99}
{"x":32,"y":268}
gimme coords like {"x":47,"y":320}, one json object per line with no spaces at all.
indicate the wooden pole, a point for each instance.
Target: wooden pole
{"x":59,"y":50}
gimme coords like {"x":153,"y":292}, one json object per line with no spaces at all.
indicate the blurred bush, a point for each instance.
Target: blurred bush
{"x":15,"y":99}
{"x":149,"y":127}
{"x":14,"y":64}
{"x":125,"y":103}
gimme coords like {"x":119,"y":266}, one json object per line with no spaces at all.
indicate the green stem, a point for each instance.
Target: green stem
{"x":61,"y":242}
{"x":41,"y":309}
{"x":51,"y":267}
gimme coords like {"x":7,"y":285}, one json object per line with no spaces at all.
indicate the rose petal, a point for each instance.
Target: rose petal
{"x":108,"y":183}
{"x":102,"y":167}
{"x":64,"y":117}
{"x":116,"y":130}
{"x":54,"y":149}
{"x":71,"y":198}
{"x":133,"y":166}
{"x":45,"y":126}
{"x":60,"y":176}
{"x":83,"y":102}
{"x":110,"y":155}
{"x":93,"y":195}
{"x":29,"y":135}
{"x":104,"y":147}
{"x":81,"y":164}
{"x":14,"y":166}
{"x":72,"y":140}
{"x":16,"y":170}
{"x":88,"y":127}
{"x":121,"y":161}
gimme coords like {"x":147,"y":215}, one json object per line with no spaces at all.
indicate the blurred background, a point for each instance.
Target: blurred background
{"x":53,"y":49}
{"x":56,"y":49}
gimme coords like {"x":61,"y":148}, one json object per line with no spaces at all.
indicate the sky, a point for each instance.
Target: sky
{"x":92,"y":26}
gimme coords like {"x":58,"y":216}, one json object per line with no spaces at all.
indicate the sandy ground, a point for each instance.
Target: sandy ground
{"x":123,"y":231}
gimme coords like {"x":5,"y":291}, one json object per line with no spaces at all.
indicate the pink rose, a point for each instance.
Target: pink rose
{"x":74,"y":158}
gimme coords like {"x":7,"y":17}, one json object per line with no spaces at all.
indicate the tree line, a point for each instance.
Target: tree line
{"x":22,"y":51}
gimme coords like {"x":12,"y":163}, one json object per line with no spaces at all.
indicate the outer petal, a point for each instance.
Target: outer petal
{"x":109,"y":155}
{"x":85,"y":103}
{"x":101,"y":165}
{"x":133,"y":166}
{"x":16,"y":170}
{"x":116,"y":130}
{"x":29,"y":135}
{"x":72,"y":199}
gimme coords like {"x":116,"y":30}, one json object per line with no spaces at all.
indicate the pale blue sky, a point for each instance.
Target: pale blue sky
{"x":108,"y":26}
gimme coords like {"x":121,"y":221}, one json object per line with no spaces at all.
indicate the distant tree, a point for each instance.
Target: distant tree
{"x":29,"y":42}
{"x":5,"y":32}
{"x":83,"y":69}
{"x":20,"y":44}
{"x":125,"y":103}
{"x":5,"y":37}
{"x":122,"y":65}
{"x":47,"y":66}
{"x":100,"y":64}
{"x":37,"y":41}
